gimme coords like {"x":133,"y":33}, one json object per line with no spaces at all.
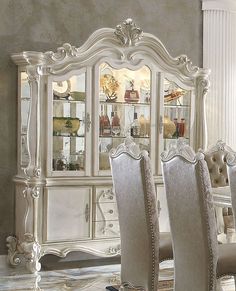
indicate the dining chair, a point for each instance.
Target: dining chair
{"x":198,"y":258}
{"x":215,"y":157}
{"x":142,"y":246}
{"x":231,"y":168}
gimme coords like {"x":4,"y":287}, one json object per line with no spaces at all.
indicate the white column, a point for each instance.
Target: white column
{"x":219,"y":55}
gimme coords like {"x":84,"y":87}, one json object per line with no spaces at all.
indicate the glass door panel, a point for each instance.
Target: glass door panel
{"x":177,"y":112}
{"x":69,"y":107}
{"x":124,"y":109}
{"x":24,"y":118}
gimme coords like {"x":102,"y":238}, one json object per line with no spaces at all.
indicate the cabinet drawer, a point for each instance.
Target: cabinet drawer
{"x":107,"y":229}
{"x":106,"y":211}
{"x":105,"y":194}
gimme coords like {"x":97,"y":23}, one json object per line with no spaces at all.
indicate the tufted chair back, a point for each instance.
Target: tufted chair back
{"x":139,"y":229}
{"x":215,"y":157}
{"x":192,"y":218}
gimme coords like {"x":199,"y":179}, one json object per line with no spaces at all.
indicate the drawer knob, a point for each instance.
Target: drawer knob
{"x":110,"y":225}
{"x":111,"y":211}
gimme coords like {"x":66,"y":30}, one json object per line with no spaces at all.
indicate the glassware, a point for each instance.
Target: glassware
{"x":115,"y":123}
{"x":142,"y":123}
{"x":135,"y":127}
{"x":181,"y":127}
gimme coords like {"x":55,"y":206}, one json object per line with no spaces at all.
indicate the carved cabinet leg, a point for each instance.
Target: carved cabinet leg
{"x":13,"y":253}
{"x":29,"y":248}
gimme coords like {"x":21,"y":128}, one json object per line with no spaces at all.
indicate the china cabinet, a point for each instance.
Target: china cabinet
{"x":74,"y":105}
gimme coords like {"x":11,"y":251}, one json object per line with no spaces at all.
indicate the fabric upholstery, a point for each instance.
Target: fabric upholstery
{"x":138,"y":218}
{"x":216,"y":162}
{"x":198,"y":258}
{"x":192,"y":222}
{"x":231,"y":168}
{"x":215,"y":157}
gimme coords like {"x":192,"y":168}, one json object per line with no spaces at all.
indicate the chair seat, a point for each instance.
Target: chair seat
{"x":226,"y":264}
{"x":165,"y":245}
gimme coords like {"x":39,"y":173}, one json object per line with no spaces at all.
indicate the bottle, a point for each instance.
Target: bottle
{"x":148,"y":128}
{"x":106,"y":125}
{"x":142,"y":122}
{"x":182,"y":127}
{"x":101,"y":121}
{"x":135,"y":127}
{"x":115,"y":123}
{"x":176,"y":134}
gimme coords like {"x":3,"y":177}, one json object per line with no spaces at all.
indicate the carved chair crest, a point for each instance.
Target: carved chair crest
{"x":182,"y":149}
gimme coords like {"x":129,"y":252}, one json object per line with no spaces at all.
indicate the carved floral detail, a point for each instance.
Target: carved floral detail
{"x":128,"y":33}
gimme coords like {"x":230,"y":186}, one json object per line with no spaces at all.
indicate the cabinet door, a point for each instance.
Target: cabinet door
{"x":176,"y":114}
{"x":124,"y":105}
{"x":68,"y":213}
{"x":69,"y":125}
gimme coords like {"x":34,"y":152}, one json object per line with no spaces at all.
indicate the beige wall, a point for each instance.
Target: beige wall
{"x":46,"y":24}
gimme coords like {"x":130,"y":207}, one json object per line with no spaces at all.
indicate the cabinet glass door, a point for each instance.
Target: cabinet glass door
{"x":68,"y":132}
{"x":25,"y":102}
{"x":177,"y":112}
{"x":124,"y":109}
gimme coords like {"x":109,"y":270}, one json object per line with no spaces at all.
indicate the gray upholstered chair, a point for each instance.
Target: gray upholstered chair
{"x":231,"y":168}
{"x":142,"y":246}
{"x":215,"y":157}
{"x":198,"y":259}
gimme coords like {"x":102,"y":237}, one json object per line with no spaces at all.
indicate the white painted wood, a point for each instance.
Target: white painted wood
{"x":53,"y":220}
{"x":68,"y":213}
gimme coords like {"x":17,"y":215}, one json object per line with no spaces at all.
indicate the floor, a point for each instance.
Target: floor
{"x":84,"y":279}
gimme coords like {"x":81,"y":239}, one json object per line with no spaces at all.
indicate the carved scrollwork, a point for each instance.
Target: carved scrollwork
{"x":114,"y":250}
{"x":185,"y":62}
{"x":32,"y":172}
{"x":128,"y":146}
{"x":31,"y":250}
{"x":181,"y":148}
{"x":204,"y":84}
{"x":128,"y":33}
{"x":66,"y":51}
{"x":13,"y":254}
{"x":33,"y":191}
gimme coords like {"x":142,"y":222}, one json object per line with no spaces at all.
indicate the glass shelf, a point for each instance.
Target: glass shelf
{"x":125,"y":103}
{"x":128,"y":112}
{"x":71,"y":136}
{"x":68,"y":101}
{"x":68,"y":132}
{"x":176,"y":106}
{"x":122,"y":136}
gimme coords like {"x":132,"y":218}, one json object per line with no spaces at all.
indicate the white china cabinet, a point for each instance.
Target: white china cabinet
{"x":74,"y":105}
